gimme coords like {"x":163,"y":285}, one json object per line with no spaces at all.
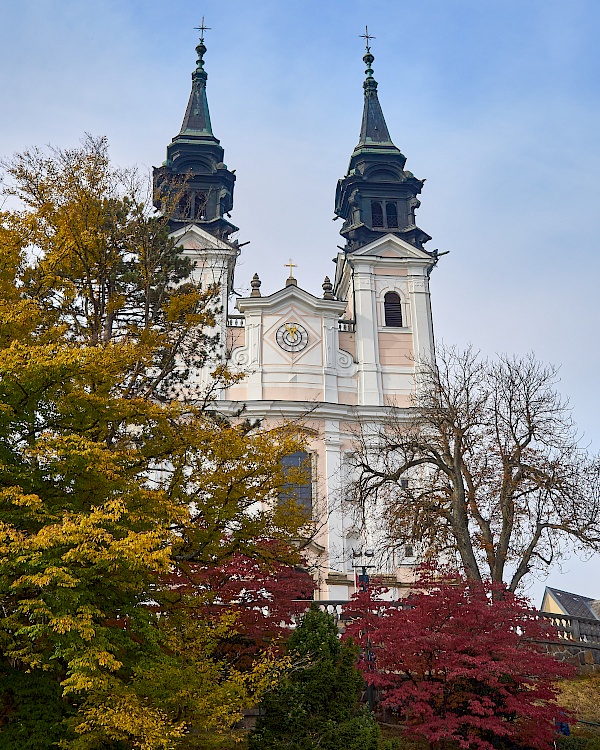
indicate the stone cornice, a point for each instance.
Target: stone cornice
{"x":291,"y":293}
{"x":284,"y":409}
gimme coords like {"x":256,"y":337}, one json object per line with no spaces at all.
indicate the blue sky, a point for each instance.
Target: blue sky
{"x":495,"y":102}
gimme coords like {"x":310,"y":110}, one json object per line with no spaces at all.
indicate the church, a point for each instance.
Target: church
{"x":336,"y":360}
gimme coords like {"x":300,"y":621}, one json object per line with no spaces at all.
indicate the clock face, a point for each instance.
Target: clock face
{"x":292,"y":337}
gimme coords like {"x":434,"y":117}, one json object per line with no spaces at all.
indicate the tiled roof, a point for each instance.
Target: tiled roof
{"x":574,"y":604}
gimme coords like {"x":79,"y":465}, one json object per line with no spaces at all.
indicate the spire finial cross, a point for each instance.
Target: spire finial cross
{"x":291,"y":265}
{"x":202,"y":28}
{"x":367,"y":37}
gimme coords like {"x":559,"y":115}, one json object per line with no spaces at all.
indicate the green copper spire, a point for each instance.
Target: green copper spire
{"x":197,"y":116}
{"x":194,"y":177}
{"x":373,"y":129}
{"x":377,"y":196}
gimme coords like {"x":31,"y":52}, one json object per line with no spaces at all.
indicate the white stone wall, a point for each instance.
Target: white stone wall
{"x":340,"y":382}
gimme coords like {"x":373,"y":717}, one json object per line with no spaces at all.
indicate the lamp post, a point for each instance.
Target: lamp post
{"x":363,"y":581}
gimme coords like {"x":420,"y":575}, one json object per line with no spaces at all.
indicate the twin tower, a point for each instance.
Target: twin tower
{"x":377,"y":196}
{"x":336,"y":362}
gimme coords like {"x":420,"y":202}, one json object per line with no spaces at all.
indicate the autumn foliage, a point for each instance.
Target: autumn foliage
{"x":116,"y":472}
{"x":265,"y":598}
{"x":454,"y":665}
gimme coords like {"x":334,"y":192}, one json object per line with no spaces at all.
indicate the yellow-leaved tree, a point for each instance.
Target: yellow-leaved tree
{"x":108,"y":482}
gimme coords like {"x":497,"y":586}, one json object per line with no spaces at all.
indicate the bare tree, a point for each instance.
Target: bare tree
{"x":485,"y":465}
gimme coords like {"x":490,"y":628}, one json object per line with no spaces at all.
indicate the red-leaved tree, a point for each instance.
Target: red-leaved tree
{"x":265,"y":595}
{"x":454,"y":665}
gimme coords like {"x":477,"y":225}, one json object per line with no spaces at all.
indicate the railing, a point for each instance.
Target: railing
{"x":239,"y":321}
{"x":579,"y":629}
{"x":576,"y":629}
{"x":333,"y":607}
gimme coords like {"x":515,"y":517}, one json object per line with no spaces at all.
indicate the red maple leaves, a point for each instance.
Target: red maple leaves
{"x":458,"y":661}
{"x":265,"y":595}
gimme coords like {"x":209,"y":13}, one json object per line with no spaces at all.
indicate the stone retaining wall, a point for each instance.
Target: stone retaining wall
{"x":586,"y":657}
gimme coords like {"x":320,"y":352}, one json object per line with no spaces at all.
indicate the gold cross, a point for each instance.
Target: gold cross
{"x":202,"y":28}
{"x":290,"y":265}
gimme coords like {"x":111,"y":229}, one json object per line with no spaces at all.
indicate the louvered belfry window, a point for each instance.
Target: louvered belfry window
{"x":376,"y":214}
{"x":391,"y":214}
{"x":393,"y":310}
{"x":184,"y":206}
{"x":200,"y":205}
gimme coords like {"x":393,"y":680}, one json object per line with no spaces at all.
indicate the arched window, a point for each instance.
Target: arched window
{"x":393,"y":310}
{"x":200,"y":205}
{"x":376,"y":214}
{"x":391,"y":213}
{"x":184,"y":206}
{"x":298,"y":466}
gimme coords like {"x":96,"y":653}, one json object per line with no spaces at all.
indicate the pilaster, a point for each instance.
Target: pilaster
{"x":367,"y":348}
{"x":330,"y":353}
{"x":254,"y":334}
{"x":335,"y":521}
{"x":422,"y":321}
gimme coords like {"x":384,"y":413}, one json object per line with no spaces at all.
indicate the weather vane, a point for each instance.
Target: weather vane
{"x":366,"y":36}
{"x":202,"y":28}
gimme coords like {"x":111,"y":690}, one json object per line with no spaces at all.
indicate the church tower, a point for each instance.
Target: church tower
{"x":193,"y":184}
{"x":194,"y":189}
{"x":377,"y":196}
{"x":383,"y":271}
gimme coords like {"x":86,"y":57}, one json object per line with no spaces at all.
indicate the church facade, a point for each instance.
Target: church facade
{"x":336,"y":361}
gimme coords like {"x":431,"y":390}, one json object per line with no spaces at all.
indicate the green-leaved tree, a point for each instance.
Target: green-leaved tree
{"x":317,"y":704}
{"x":107,"y":482}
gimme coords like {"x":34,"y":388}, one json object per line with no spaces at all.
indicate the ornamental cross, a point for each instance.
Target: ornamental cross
{"x":366,"y":36}
{"x":202,"y":28}
{"x":291,"y":265}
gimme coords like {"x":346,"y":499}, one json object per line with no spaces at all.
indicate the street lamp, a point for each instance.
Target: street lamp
{"x":363,"y":580}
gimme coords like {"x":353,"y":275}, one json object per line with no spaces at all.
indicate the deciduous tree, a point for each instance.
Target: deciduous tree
{"x":266,"y":596}
{"x":485,"y":465}
{"x":455,"y":663}
{"x":107,"y":483}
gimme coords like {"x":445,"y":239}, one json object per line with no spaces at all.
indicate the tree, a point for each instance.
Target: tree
{"x":266,"y":597}
{"x":107,"y":484}
{"x":105,"y":267}
{"x":485,"y":465}
{"x":458,"y":664}
{"x":316,"y":705}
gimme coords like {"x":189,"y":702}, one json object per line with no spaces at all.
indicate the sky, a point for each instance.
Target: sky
{"x":495,"y":102}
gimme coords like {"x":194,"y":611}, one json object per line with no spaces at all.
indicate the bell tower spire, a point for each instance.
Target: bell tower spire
{"x":377,"y":196}
{"x":193,"y":185}
{"x":373,"y":128}
{"x":197,"y":116}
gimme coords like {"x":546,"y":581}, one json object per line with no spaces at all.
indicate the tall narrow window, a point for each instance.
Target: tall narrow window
{"x":200,"y":205}
{"x":376,"y":214}
{"x":393,"y":310}
{"x":391,"y":213}
{"x":298,"y":467}
{"x":184,"y":207}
